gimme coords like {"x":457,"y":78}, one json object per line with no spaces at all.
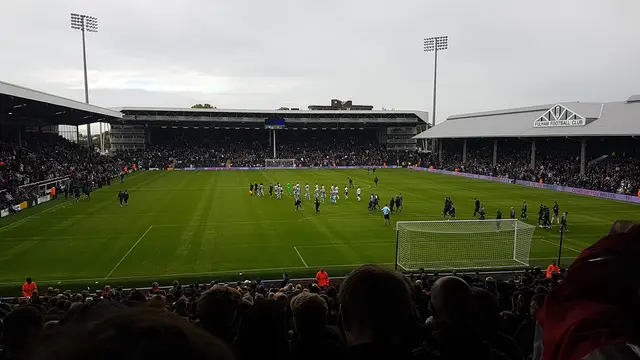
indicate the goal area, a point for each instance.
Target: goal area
{"x":463,"y":244}
{"x":280,"y":163}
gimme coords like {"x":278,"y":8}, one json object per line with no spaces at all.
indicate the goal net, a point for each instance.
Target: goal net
{"x":463,"y":244}
{"x":280,"y":163}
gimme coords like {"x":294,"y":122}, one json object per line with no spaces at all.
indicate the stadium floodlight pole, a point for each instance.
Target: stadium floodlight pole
{"x":86,"y":23}
{"x":435,"y":44}
{"x":274,"y":144}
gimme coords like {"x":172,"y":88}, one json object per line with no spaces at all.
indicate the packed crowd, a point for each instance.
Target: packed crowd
{"x":616,"y":173}
{"x":44,"y":156}
{"x":243,"y":148}
{"x":590,"y":311}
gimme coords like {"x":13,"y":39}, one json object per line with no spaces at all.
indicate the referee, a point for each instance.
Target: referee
{"x":386,"y":212}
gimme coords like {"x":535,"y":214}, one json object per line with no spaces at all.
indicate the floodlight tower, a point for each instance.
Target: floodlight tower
{"x":86,"y":23}
{"x":435,"y":44}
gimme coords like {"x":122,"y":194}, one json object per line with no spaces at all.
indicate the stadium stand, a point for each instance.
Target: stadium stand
{"x":582,"y":145}
{"x":589,"y":311}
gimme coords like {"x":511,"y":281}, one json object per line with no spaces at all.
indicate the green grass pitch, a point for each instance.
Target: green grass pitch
{"x":203,"y":225}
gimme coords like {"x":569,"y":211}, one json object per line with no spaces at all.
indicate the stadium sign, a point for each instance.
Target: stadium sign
{"x":559,"y":116}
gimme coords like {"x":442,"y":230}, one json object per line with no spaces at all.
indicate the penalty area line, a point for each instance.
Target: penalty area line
{"x":563,"y":246}
{"x":128,"y":252}
{"x":301,"y":258}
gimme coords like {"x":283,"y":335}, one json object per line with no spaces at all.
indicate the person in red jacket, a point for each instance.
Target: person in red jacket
{"x":322,"y":278}
{"x":28,"y":288}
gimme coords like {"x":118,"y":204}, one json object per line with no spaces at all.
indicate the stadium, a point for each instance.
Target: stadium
{"x":337,"y":231}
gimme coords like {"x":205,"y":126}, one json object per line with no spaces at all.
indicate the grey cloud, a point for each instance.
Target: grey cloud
{"x":266,"y":54}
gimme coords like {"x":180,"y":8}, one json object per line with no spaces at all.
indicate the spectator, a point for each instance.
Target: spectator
{"x":21,"y":331}
{"x":452,"y":334}
{"x":28,"y":288}
{"x":377,"y":313}
{"x":487,"y":322}
{"x":136,"y":333}
{"x":322,"y":278}
{"x":263,"y":326}
{"x":311,"y":332}
{"x":217,"y":310}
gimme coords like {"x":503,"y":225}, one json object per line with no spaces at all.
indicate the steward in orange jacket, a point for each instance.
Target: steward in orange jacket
{"x":552,"y":268}
{"x":28,"y":288}
{"x":322,"y":278}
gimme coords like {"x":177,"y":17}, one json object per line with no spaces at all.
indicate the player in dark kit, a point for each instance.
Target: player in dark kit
{"x":399,"y":206}
{"x":498,"y":219}
{"x":121,"y":177}
{"x":482,"y":212}
{"x":126,"y":198}
{"x":270,"y":190}
{"x":523,"y":214}
{"x":121,"y":197}
{"x":556,"y":210}
{"x":541,"y":215}
{"x":298,"y":203}
{"x":477,"y":206}
{"x":452,"y":211}
{"x":547,"y":217}
{"x":512,"y":214}
{"x":447,"y":207}
{"x":317,"y":203}
{"x":350,"y":182}
{"x":563,"y":221}
{"x":375,"y":179}
{"x":392,"y":202}
{"x":250,"y":189}
{"x":255,"y":188}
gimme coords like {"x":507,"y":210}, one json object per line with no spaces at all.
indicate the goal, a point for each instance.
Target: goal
{"x":280,"y":163}
{"x":463,"y":244}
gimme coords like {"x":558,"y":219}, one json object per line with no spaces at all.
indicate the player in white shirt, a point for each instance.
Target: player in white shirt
{"x":346,"y":192}
{"x":358,"y":192}
{"x":323,"y":193}
{"x":307,"y":194}
{"x":316,"y":192}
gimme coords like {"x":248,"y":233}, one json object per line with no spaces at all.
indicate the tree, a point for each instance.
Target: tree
{"x":203,"y":106}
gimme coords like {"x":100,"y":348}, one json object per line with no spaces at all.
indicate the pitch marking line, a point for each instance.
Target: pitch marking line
{"x":563,"y":246}
{"x":301,"y":258}
{"x":128,"y":252}
{"x":32,"y":215}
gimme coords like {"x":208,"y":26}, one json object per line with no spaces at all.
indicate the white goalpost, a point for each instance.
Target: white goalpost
{"x":280,"y":163}
{"x":463,"y":244}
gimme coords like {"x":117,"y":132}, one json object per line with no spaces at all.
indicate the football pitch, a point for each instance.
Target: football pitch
{"x":203,"y":225}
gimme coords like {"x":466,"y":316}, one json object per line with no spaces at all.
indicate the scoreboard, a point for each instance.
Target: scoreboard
{"x":275,"y":123}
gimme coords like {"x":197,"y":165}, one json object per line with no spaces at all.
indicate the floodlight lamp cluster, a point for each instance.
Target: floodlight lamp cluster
{"x":84,"y":22}
{"x":436,"y":43}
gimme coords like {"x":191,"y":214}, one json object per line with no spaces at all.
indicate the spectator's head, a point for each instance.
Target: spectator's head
{"x":451,"y":301}
{"x":21,"y":329}
{"x":134,"y":334}
{"x":376,"y":305}
{"x":309,"y":313}
{"x":263,"y":325}
{"x":536,"y":303}
{"x":216,"y":310}
{"x":486,"y":308}
{"x":29,"y":281}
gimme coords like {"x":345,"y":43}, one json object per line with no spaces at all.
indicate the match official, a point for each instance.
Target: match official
{"x":386,"y":212}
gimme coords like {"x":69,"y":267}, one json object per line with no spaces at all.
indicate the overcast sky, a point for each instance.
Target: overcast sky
{"x":265,"y":54}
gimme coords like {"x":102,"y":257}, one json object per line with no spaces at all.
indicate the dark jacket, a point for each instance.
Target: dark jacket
{"x":444,"y":342}
{"x":326,"y":344}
